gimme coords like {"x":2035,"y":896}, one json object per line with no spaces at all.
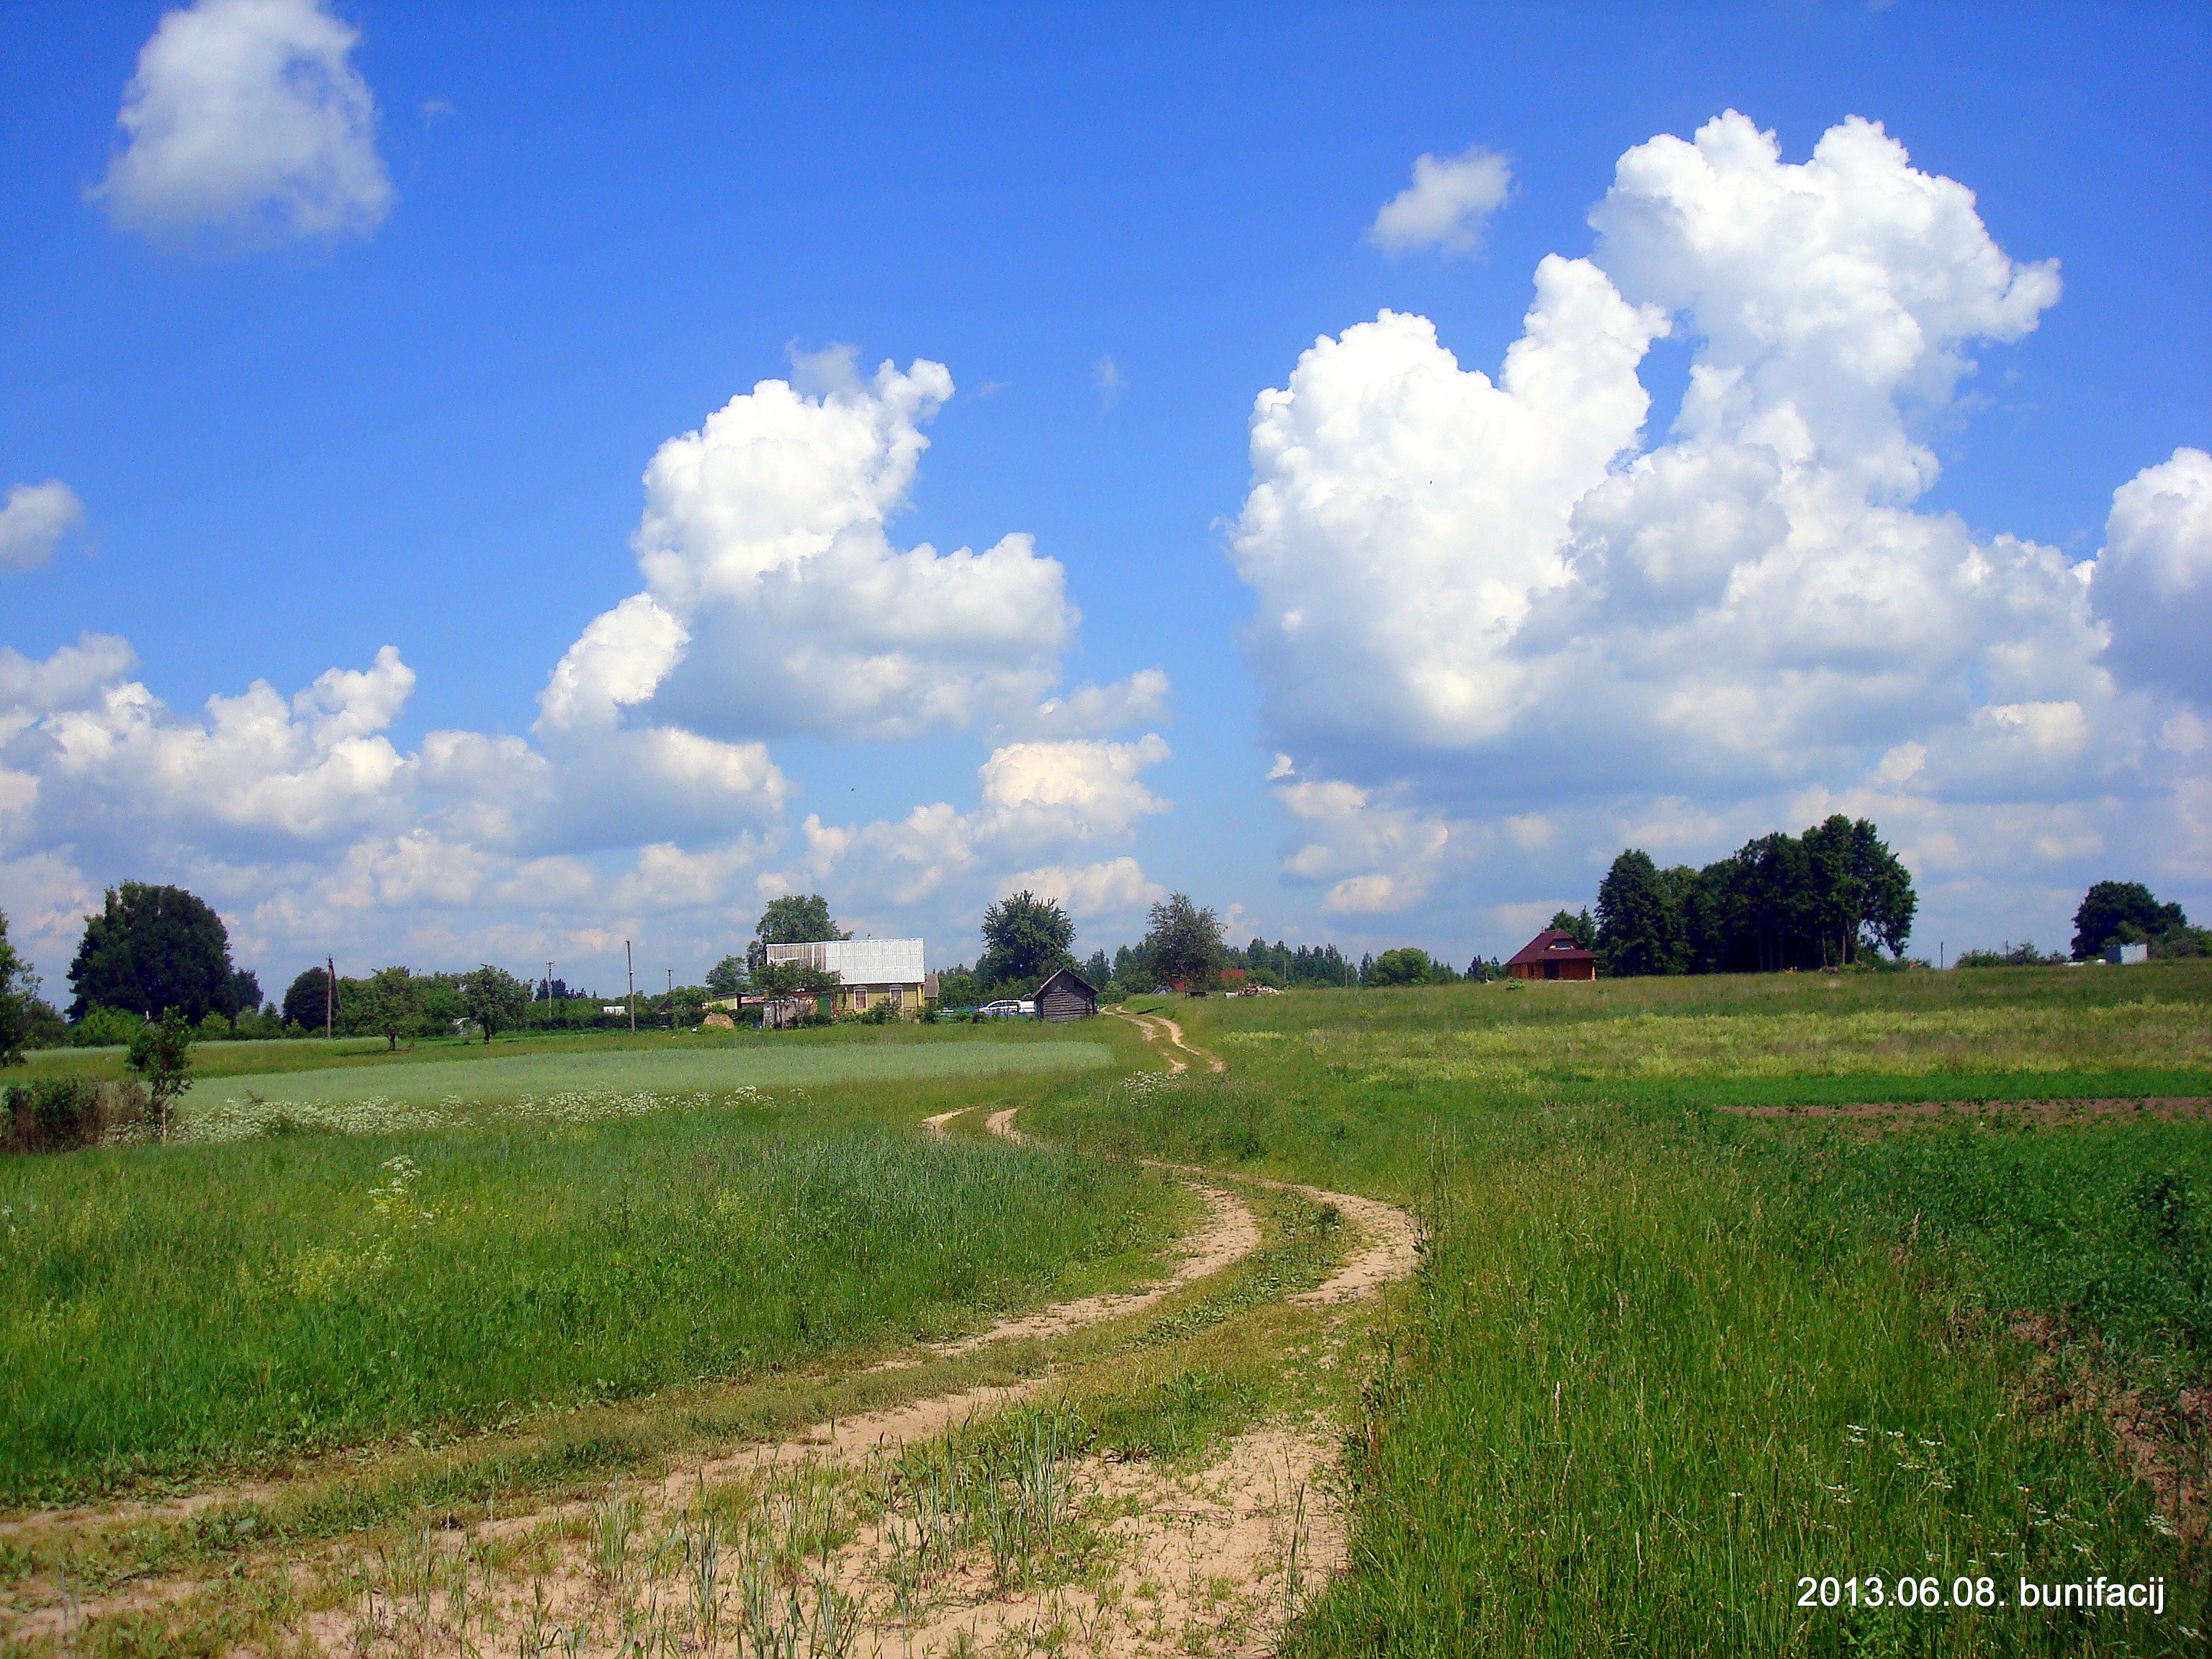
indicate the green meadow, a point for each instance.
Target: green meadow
{"x":446,"y":1263}
{"x":1665,"y":1365}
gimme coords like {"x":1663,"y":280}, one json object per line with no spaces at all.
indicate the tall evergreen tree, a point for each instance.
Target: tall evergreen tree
{"x":1639,"y":928}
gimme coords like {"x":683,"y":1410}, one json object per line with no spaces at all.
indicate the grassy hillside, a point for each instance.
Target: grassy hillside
{"x":1664,"y":1361}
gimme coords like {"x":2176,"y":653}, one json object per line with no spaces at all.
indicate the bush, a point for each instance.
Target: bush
{"x":59,"y":1114}
{"x":2023,"y":955}
{"x":104,"y":1028}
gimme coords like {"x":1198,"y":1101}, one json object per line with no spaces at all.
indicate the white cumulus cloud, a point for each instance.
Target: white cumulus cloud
{"x":248,"y":116}
{"x":1446,"y":205}
{"x":2152,"y":585}
{"x":34,"y":517}
{"x":775,"y":600}
{"x":1115,"y":888}
{"x":1485,"y":605}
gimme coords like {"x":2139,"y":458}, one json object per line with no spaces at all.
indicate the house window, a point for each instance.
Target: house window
{"x":860,"y":997}
{"x":1551,"y":970}
{"x":898,"y":999}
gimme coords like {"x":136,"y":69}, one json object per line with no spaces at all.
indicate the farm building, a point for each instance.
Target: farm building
{"x":1067,"y":995}
{"x":869,"y":970}
{"x":1553,"y":954}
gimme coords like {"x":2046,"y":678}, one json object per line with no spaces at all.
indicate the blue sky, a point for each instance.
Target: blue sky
{"x":415,"y":413}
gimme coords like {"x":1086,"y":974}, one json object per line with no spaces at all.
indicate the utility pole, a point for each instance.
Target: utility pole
{"x":668,"y":1007}
{"x":549,"y":996}
{"x":330,"y":996}
{"x":629,"y":967}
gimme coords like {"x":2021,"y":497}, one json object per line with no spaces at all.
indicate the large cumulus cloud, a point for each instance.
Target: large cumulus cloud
{"x":1485,"y":605}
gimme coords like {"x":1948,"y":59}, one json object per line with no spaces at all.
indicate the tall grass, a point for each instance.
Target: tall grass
{"x":1661,"y":1363}
{"x":166,"y":1311}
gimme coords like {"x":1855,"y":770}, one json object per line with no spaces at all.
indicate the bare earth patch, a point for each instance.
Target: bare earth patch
{"x":2047,"y":1111}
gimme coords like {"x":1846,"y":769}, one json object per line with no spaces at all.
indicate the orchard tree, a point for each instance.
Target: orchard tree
{"x":388,"y":1004}
{"x":1025,"y":938}
{"x":726,"y":978}
{"x":151,"y":949}
{"x":494,"y":998}
{"x":794,"y":979}
{"x":1183,"y":942}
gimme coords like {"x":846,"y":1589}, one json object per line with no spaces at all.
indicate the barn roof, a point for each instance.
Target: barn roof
{"x":1068,"y":975}
{"x":1553,"y":945}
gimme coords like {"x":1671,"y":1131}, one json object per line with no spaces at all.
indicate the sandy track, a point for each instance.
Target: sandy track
{"x":1154,"y":1026}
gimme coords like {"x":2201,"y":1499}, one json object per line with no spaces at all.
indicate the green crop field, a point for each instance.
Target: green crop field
{"x":1666,"y":1363}
{"x":171,"y":1312}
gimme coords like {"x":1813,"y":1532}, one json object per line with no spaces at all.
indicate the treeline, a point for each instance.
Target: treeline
{"x":1832,"y":898}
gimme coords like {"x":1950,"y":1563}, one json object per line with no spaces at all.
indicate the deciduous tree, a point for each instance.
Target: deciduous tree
{"x":388,"y":1003}
{"x":794,"y":919}
{"x":2121,"y":913}
{"x":1025,"y":938}
{"x":152,"y":949}
{"x":1407,"y":965}
{"x":307,"y":1001}
{"x":162,"y":1055}
{"x":1639,"y":930}
{"x":1183,"y":943}
{"x":15,"y":995}
{"x":494,"y":998}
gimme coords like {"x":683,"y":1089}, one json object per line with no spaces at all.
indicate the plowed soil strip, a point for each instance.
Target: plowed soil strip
{"x":2050,"y":1111}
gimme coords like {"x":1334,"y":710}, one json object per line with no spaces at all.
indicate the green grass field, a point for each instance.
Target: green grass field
{"x":1663,"y":1365}
{"x":171,"y":1312}
{"x":1664,"y":1361}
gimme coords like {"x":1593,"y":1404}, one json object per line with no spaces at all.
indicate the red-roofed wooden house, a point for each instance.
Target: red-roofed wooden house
{"x":1553,"y":954}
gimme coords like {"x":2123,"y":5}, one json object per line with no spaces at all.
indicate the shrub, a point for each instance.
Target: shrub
{"x":59,"y":1114}
{"x":103,"y":1027}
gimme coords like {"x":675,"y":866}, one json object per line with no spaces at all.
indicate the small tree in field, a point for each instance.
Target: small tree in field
{"x":1407,"y":965}
{"x":162,"y":1055}
{"x":1184,"y":944}
{"x":494,"y":998}
{"x":388,"y":1003}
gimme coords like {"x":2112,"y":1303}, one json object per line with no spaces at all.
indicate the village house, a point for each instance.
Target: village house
{"x":1553,"y":954}
{"x":870,"y":972}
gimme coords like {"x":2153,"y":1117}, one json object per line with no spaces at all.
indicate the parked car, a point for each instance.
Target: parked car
{"x":1007,"y":1009}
